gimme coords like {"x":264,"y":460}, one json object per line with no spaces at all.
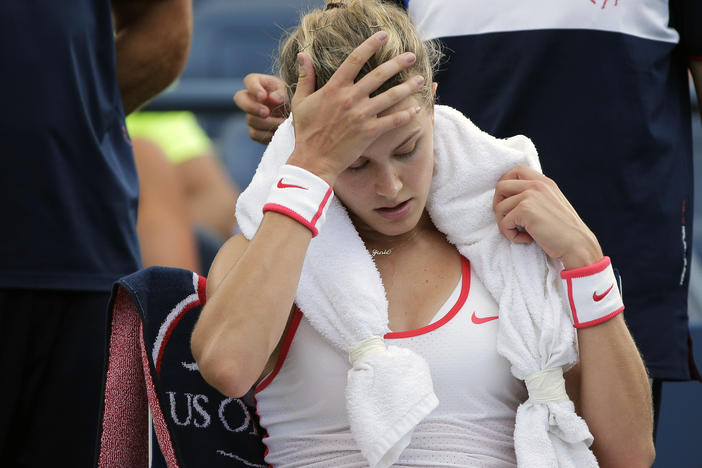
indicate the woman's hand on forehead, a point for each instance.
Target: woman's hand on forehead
{"x":336,"y":123}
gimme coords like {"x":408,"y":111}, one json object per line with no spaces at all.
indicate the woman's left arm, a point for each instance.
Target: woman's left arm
{"x":609,"y":386}
{"x":611,"y":391}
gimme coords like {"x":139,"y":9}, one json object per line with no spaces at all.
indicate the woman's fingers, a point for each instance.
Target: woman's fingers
{"x":521,"y":203}
{"x":524,"y":200}
{"x":349,"y":69}
{"x":383,"y":72}
{"x":396,"y":119}
{"x":395,"y":94}
{"x":513,"y":218}
{"x":511,"y":187}
{"x":523,"y":172}
{"x":342,"y":85}
{"x":530,"y":207}
{"x":334,"y":124}
{"x":523,"y":178}
{"x":305,"y":79}
{"x":517,"y":236}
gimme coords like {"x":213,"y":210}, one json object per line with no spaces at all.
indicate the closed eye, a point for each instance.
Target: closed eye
{"x":360,"y":163}
{"x":407,"y":154}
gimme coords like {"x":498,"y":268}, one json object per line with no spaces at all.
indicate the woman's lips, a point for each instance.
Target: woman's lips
{"x":395,"y":212}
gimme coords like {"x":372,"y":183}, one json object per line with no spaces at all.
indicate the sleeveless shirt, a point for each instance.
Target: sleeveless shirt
{"x":302,"y":407}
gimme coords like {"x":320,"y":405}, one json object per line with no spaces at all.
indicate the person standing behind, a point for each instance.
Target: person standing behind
{"x":71,"y":71}
{"x":602,"y":90}
{"x":186,"y":197}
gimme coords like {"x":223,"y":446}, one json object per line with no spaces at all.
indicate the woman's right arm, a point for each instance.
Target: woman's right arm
{"x":250,"y":290}
{"x":252,"y":285}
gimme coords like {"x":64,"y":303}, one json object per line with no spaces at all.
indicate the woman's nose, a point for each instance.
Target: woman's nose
{"x":388,"y":183}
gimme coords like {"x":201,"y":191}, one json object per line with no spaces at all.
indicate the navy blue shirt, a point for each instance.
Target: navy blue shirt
{"x":68,"y":180}
{"x":601,"y":88}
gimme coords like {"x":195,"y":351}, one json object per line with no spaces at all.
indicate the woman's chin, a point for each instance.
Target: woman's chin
{"x":398,"y":228}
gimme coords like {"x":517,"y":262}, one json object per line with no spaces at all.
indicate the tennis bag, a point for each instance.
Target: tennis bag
{"x":152,"y":315}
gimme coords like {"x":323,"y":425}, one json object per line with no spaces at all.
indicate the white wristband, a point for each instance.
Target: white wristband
{"x":301,"y":195}
{"x":593,"y":293}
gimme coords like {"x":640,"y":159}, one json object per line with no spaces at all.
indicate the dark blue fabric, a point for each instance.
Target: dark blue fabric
{"x":69,"y":184}
{"x":678,"y":440}
{"x":685,"y":17}
{"x":207,"y":428}
{"x":609,"y":114}
{"x":51,"y":356}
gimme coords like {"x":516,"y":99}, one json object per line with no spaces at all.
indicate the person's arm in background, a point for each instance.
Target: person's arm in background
{"x":210,"y":194}
{"x":696,"y":72}
{"x":686,"y":18}
{"x":163,"y":225}
{"x":152,"y":39}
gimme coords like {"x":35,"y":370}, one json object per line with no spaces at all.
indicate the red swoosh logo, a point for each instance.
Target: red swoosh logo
{"x":598,"y":297}
{"x":282,"y":185}
{"x":480,"y":320}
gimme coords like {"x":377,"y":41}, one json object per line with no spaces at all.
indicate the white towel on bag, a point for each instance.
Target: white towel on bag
{"x":341,"y":294}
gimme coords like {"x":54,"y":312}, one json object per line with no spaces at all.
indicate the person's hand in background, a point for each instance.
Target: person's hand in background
{"x":264,"y":100}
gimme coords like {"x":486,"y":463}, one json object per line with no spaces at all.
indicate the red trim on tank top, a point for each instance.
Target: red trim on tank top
{"x":283,"y":350}
{"x":465,"y":288}
{"x":265,"y":431}
{"x":290,"y":334}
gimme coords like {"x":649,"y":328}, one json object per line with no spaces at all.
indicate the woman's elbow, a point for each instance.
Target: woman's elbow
{"x":641,"y":456}
{"x":224,"y":372}
{"x":226,"y":376}
{"x":647,"y":454}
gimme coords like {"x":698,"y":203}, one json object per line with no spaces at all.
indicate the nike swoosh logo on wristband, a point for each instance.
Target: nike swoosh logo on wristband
{"x":480,"y":320}
{"x":598,"y":297}
{"x":282,"y":185}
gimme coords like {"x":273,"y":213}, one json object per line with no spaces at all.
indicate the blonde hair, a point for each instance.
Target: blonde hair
{"x":329,"y":36}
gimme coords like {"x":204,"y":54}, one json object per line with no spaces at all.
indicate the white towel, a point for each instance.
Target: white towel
{"x":389,"y":391}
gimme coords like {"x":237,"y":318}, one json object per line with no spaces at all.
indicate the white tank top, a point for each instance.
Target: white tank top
{"x":302,"y":408}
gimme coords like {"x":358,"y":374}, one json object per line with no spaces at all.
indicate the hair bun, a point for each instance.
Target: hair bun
{"x":331,"y":5}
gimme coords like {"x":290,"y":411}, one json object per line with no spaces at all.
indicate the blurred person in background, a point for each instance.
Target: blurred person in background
{"x":71,"y":72}
{"x":186,"y":198}
{"x":602,"y":89}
